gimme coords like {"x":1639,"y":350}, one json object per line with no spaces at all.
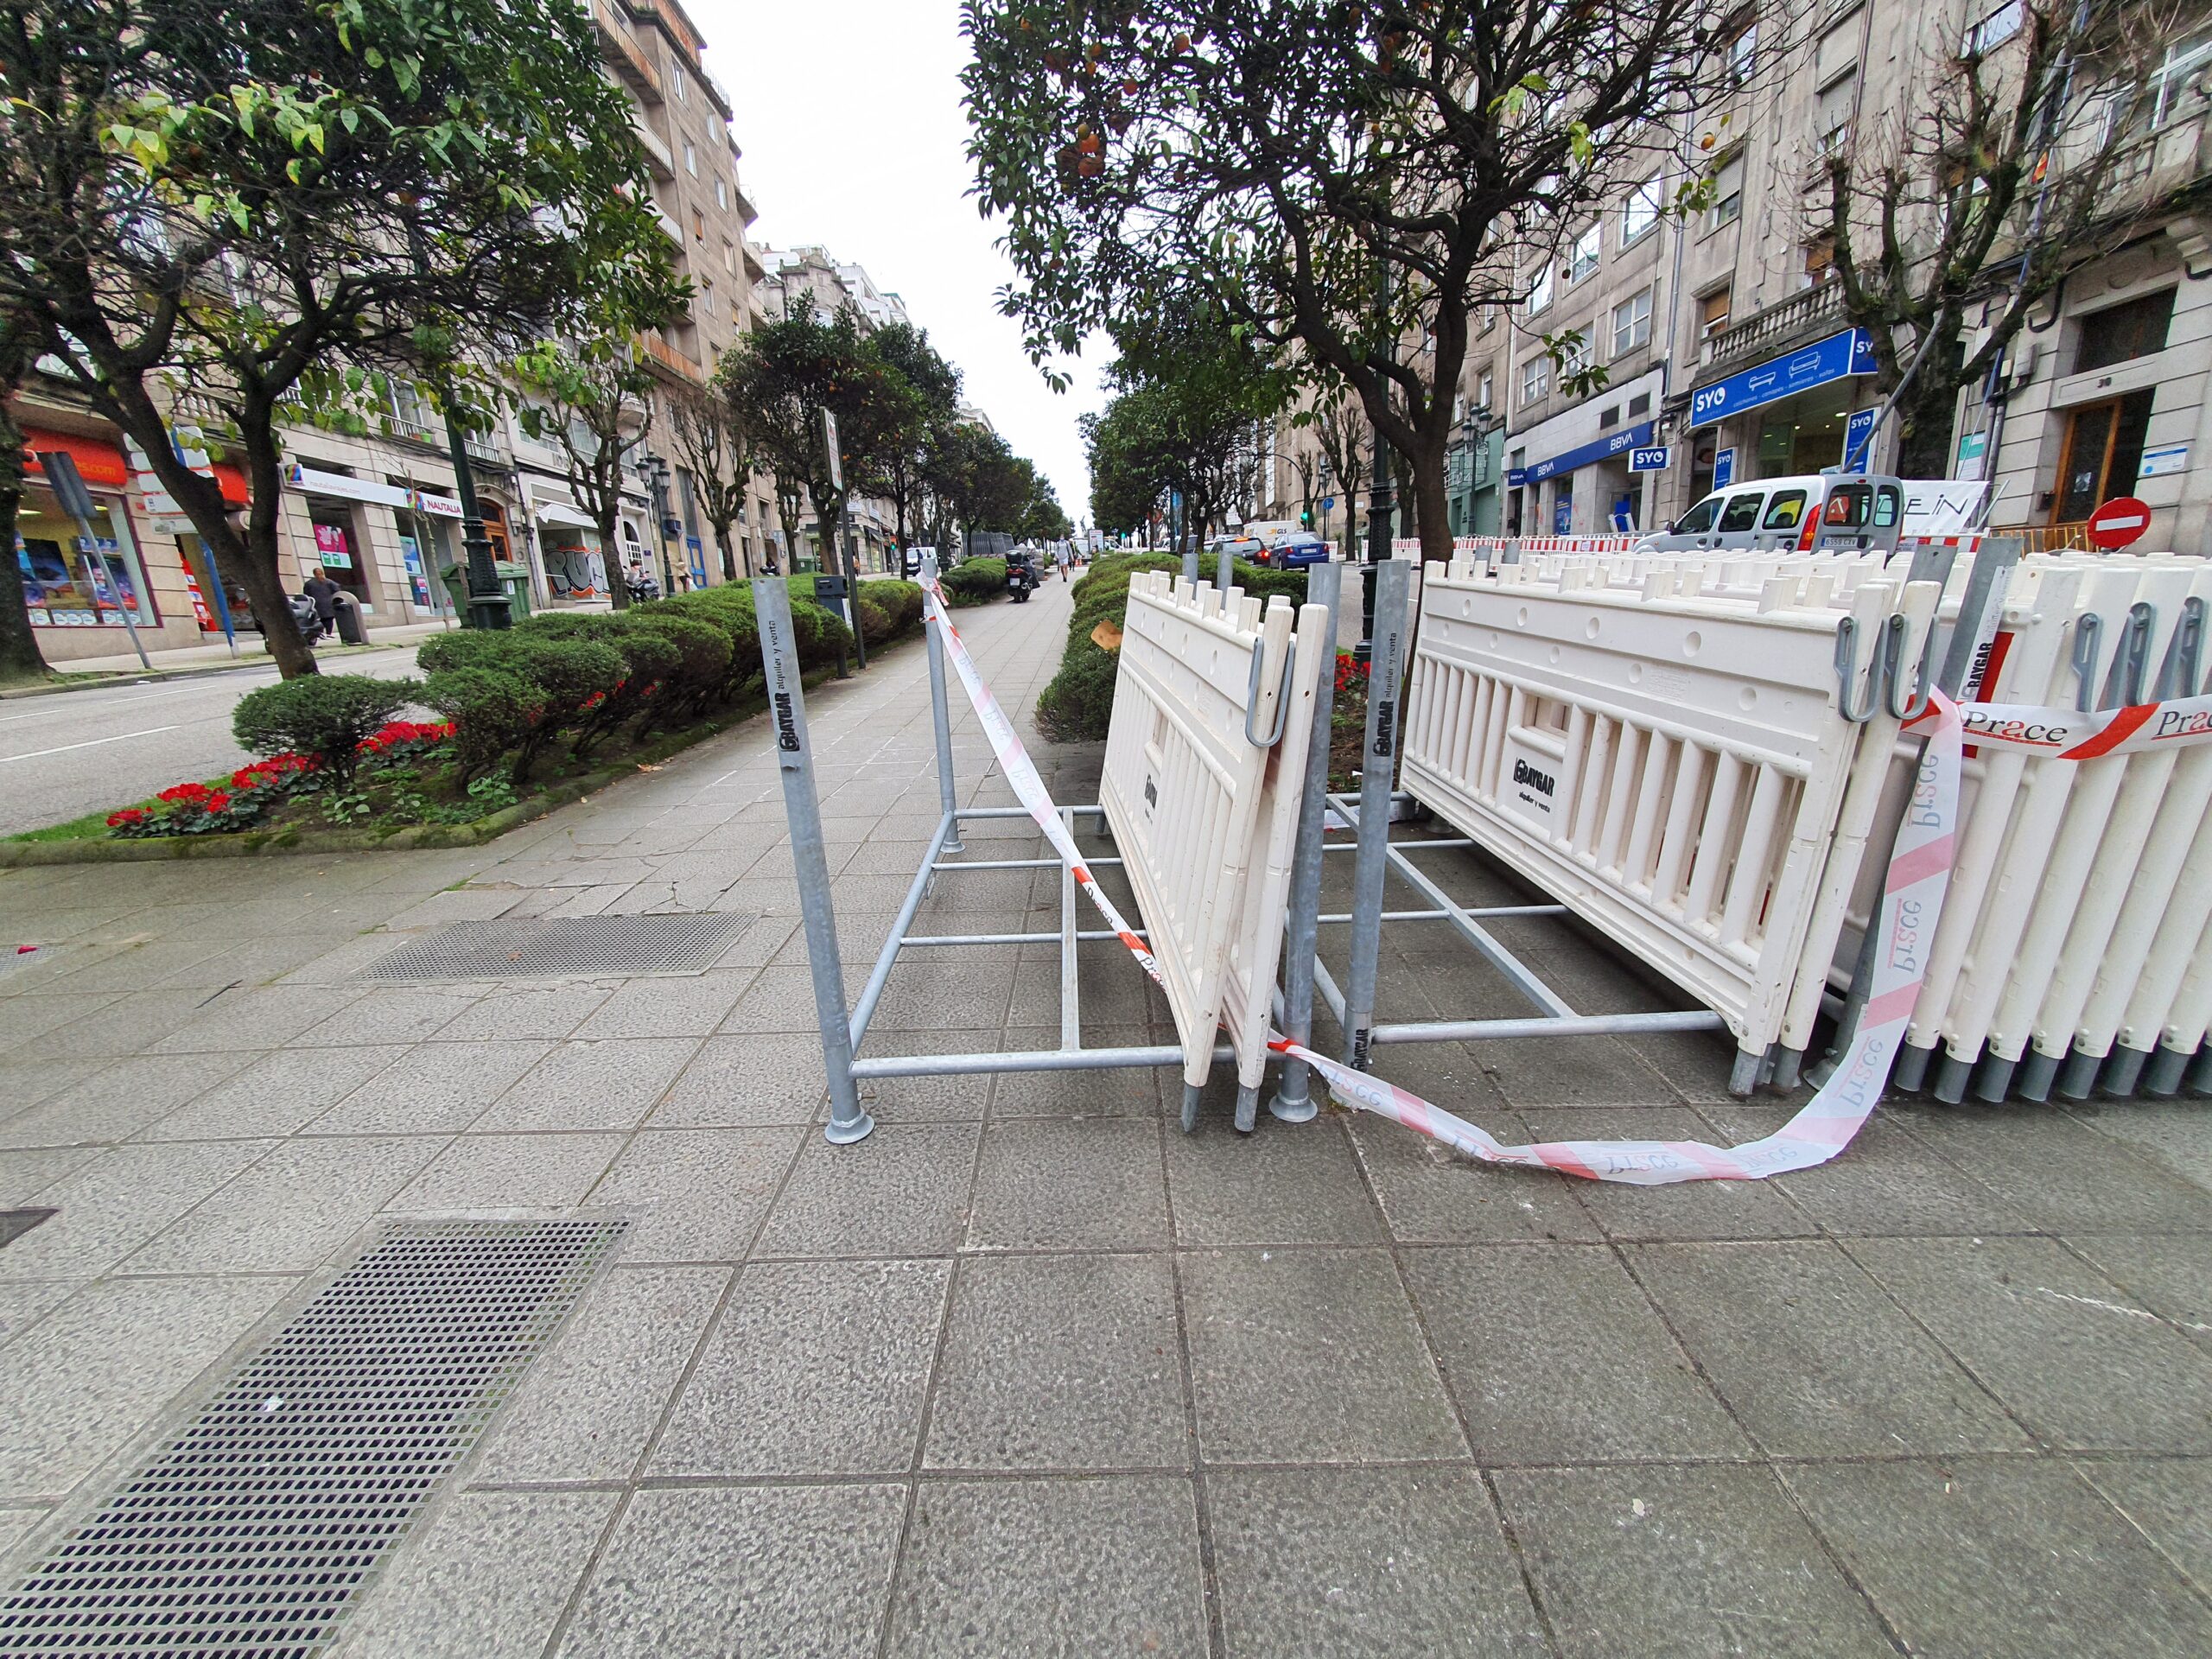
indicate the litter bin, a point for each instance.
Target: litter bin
{"x":350,"y":629}
{"x":514,"y":579}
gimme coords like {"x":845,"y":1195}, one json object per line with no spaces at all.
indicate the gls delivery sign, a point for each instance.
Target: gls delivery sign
{"x":1835,"y":358}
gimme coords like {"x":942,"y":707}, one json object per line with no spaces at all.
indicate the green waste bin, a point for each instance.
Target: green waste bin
{"x":513,"y":578}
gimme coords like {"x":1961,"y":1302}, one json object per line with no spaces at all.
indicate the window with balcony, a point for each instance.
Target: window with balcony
{"x":1582,"y":258}
{"x":2119,"y":333}
{"x":1540,"y":290}
{"x":1820,"y":260}
{"x":1641,"y":212}
{"x":1713,"y":313}
{"x":2169,"y":92}
{"x":1728,"y":194}
{"x":1632,"y":323}
{"x":1536,"y":379}
{"x":1994,"y":27}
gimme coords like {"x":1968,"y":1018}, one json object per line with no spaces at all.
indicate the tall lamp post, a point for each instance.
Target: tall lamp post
{"x":488,"y":604}
{"x":656,"y":476}
{"x":1380,"y":503}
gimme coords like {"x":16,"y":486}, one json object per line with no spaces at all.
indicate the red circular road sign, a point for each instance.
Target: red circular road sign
{"x":2120,"y":521}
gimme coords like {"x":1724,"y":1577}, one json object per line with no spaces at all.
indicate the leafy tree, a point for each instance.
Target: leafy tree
{"x":1970,"y":207}
{"x":20,"y":657}
{"x":1043,"y":519}
{"x":902,"y":468}
{"x":1347,"y":444}
{"x":593,"y":402}
{"x":1351,"y":178}
{"x":263,"y":202}
{"x":716,"y":451}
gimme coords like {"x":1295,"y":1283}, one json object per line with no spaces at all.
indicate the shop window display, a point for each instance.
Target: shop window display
{"x":60,"y":591}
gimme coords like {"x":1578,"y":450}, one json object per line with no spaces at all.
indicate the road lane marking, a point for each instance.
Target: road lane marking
{"x":119,"y":737}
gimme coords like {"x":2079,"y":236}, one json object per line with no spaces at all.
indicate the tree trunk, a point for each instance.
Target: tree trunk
{"x":1432,"y":514}
{"x":729,"y":557}
{"x":20,"y":657}
{"x":252,"y":562}
{"x":618,"y":572}
{"x":1925,"y":414}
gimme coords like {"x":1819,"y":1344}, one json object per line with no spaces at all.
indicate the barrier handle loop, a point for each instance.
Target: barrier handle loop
{"x":1918,"y":702}
{"x":1846,"y":670}
{"x":2184,"y":664}
{"x":1282,"y":697}
{"x":2131,"y":664}
{"x":2088,"y":632}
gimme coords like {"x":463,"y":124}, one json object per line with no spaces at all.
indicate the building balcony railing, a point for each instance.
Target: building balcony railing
{"x":658,"y":156}
{"x":675,"y":364}
{"x":626,"y":57}
{"x":1777,"y":328}
{"x":2047,"y":538}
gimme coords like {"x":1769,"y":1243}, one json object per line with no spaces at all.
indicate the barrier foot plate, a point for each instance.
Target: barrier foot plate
{"x":2037,"y":1072}
{"x":843,"y":1135}
{"x":1191,"y":1092}
{"x":1248,"y":1107}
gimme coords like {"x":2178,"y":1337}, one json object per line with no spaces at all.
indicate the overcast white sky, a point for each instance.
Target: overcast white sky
{"x":848,"y":114}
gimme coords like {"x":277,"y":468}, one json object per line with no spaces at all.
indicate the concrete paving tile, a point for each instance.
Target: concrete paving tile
{"x":24,"y":1174}
{"x":2175,"y":1134}
{"x":22,"y":1306}
{"x":1072,"y":1185}
{"x":289,"y":1211}
{"x":487,"y":1578}
{"x":796,"y":1571}
{"x":114,"y":1103}
{"x":1695,"y":1063}
{"x":588,"y":1405}
{"x":147,"y":960}
{"x":939,"y":1099}
{"x":1680,"y":1563}
{"x":128,"y":1025}
{"x":508,"y":1012}
{"x":1291,"y":1349}
{"x":2168,"y":1275}
{"x":432,"y":1088}
{"x":781,"y":999}
{"x":342,"y":965}
{"x":252,"y":1017}
{"x":1285,"y":1184}
{"x":1125,"y":1091}
{"x":902,"y":1191}
{"x":1432,"y":1195}
{"x":1815,"y":1360}
{"x":1888,"y":1181}
{"x":15,"y":1524}
{"x":278,"y":1093}
{"x":86,"y":1379}
{"x":2063,"y":1346}
{"x":392,"y":1016}
{"x":2065,"y":1175}
{"x":257,"y":961}
{"x":1691,"y":1210}
{"x":927,"y":992}
{"x":508,"y":1172}
{"x":1061,"y":1567}
{"x":25,"y":1086}
{"x":699,"y":1193}
{"x":1365,"y":1561}
{"x":2008,"y":1559}
{"x":677,"y":1005}
{"x":462,"y":904}
{"x":1590,"y":1371}
{"x":814,"y":1367}
{"x":2170,"y":1500}
{"x":745,"y":1081}
{"x":1061,"y":1361}
{"x":592,"y":1085}
{"x":118,"y":1201}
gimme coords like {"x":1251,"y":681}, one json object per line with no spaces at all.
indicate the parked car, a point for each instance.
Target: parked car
{"x":1296,"y":552}
{"x":1843,"y":511}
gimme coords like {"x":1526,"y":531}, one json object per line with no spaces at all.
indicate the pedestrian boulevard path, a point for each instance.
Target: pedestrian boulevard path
{"x":1029,"y":1370}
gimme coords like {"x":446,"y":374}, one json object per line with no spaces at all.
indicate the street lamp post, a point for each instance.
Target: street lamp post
{"x":656,"y":476}
{"x":1380,"y":506}
{"x":488,"y":604}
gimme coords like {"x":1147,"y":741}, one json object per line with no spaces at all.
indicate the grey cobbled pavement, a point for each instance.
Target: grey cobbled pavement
{"x":1029,"y":1371}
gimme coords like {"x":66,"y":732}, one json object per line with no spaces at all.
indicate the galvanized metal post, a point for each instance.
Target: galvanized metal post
{"x":946,"y":792}
{"x":1294,"y":1101}
{"x":1386,"y":671}
{"x":771,"y":605}
{"x":1224,"y":567}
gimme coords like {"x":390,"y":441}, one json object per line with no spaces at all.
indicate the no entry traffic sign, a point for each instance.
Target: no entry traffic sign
{"x":2120,"y":521}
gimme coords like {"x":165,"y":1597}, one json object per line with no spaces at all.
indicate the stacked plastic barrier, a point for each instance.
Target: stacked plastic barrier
{"x":2072,"y":950}
{"x":1202,"y":794}
{"x":1669,"y":757}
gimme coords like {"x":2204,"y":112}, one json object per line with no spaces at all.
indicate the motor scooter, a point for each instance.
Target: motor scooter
{"x":1021,"y":578}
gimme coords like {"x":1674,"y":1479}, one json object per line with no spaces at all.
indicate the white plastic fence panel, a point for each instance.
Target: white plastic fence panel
{"x":1671,"y":770}
{"x":1249,"y":985}
{"x":1182,"y":783}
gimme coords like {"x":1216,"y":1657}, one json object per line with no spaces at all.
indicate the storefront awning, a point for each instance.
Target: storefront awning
{"x":311,"y":481}
{"x":99,"y":460}
{"x":1849,"y":352}
{"x":559,"y":512}
{"x":1613,"y":443}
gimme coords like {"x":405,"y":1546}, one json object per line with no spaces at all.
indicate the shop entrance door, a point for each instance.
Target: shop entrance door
{"x":2103,"y":455}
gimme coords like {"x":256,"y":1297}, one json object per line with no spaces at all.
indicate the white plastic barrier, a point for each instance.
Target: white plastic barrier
{"x":1199,"y":708}
{"x":1671,"y":767}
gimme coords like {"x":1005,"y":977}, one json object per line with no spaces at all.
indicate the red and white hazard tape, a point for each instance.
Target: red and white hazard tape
{"x":1912,"y":902}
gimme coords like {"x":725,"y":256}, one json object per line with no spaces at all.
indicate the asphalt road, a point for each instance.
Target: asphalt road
{"x":64,"y":755}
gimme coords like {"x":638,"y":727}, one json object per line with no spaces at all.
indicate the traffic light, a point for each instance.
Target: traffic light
{"x":1306,"y":517}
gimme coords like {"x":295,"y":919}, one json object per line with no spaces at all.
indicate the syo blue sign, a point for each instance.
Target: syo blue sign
{"x":1849,"y":352}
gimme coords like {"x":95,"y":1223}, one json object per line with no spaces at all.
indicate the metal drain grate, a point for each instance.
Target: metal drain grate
{"x":249,"y":1533}
{"x":567,"y":947}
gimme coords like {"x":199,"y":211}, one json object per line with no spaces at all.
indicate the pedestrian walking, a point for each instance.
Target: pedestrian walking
{"x":324,"y":592}
{"x":1062,"y":556}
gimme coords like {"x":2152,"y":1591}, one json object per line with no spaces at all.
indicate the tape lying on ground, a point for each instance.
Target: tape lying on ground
{"x":1920,"y":871}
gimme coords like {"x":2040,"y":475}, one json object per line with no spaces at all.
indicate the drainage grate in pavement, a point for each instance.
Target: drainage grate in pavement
{"x":13,"y":1223}
{"x":566,"y":947}
{"x":251,"y":1530}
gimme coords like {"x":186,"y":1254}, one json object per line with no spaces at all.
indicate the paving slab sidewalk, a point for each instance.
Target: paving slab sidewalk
{"x":1029,"y":1370}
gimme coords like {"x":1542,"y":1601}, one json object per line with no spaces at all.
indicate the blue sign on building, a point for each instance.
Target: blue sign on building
{"x":1835,"y":358}
{"x":1857,"y":431}
{"x":1723,"y":469}
{"x":1654,"y":460}
{"x":1604,"y":449}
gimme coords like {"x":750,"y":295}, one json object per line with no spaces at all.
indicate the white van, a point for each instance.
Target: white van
{"x":1843,"y":513}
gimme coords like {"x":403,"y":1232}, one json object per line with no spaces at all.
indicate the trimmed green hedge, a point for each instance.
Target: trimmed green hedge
{"x":324,"y":716}
{"x":975,"y":582}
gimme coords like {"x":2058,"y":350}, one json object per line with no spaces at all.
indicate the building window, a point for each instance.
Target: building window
{"x":1540,"y":290}
{"x":707,"y":298}
{"x":730,"y":257}
{"x":721,"y":193}
{"x":1744,"y":56}
{"x":1632,"y":323}
{"x":1536,"y":379}
{"x":1641,"y":212}
{"x":1998,"y":24}
{"x":2132,"y":329}
{"x":1486,"y":319}
{"x":676,"y":80}
{"x":1609,"y":418}
{"x":1832,"y":114}
{"x":1713,"y":313}
{"x":690,"y":160}
{"x":1639,"y":404}
{"x":1582,"y":260}
{"x":1483,"y":393}
{"x":698,"y":225}
{"x":1728,"y":194}
{"x":1820,"y":259}
{"x":1574,"y":356}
